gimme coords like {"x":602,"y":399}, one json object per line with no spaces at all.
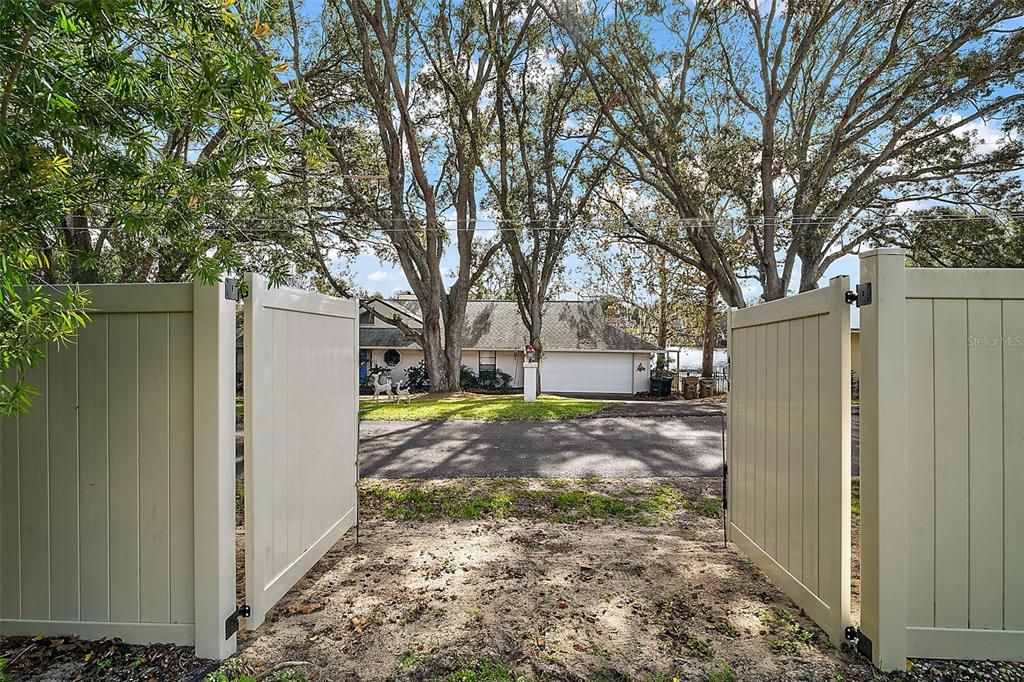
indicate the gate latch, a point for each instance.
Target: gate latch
{"x":231,"y":623}
{"x":862,"y":297}
{"x":231,"y":290}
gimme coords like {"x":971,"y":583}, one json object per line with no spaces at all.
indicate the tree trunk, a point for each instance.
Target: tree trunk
{"x":707,"y":363}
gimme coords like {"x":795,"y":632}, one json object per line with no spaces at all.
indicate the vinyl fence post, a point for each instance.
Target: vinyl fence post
{"x":883,"y":457}
{"x":214,"y":469}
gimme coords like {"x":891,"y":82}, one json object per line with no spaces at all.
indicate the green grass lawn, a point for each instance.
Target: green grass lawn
{"x":480,"y":407}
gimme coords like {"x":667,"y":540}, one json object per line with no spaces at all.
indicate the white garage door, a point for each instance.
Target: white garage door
{"x":587,"y":373}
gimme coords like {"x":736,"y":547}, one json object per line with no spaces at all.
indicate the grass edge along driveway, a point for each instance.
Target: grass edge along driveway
{"x":480,"y":407}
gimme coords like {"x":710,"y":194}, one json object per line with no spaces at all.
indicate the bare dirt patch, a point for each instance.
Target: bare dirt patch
{"x":531,"y":591}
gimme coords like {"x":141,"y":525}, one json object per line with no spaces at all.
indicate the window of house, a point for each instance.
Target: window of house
{"x":392,"y":357}
{"x":366,"y":317}
{"x":488,"y":363}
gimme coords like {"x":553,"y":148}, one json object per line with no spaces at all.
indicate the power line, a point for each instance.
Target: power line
{"x":590,"y":225}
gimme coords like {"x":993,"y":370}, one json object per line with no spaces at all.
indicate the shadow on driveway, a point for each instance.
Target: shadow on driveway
{"x":611,"y":447}
{"x":632,"y":440}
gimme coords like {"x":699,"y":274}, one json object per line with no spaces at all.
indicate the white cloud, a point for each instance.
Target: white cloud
{"x":378,"y":276}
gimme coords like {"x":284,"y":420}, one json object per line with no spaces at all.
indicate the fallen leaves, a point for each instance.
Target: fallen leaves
{"x":305,"y":607}
{"x":105,"y":659}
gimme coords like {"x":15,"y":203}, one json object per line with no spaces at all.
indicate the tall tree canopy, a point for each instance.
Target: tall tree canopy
{"x":805,"y":125}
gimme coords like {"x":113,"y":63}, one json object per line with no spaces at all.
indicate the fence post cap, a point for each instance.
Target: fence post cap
{"x":884,"y":251}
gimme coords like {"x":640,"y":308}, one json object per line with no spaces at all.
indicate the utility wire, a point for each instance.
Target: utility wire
{"x":609,"y":225}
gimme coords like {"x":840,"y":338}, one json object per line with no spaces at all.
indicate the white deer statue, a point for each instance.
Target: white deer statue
{"x":401,"y":394}
{"x":381,"y":384}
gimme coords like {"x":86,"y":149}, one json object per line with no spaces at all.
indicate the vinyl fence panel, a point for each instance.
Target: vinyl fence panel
{"x":301,"y":433}
{"x":97,"y":522}
{"x":789,"y":447}
{"x":945,"y":580}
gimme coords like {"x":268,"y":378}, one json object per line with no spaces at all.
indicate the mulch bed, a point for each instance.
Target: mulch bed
{"x":70,"y":658}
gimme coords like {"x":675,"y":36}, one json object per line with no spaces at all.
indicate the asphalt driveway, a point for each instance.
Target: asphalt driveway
{"x":628,"y":441}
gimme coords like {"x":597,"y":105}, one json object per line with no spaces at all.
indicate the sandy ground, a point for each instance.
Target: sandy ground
{"x":611,"y":600}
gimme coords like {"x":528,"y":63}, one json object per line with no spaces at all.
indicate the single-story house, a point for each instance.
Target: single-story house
{"x":581,"y":352}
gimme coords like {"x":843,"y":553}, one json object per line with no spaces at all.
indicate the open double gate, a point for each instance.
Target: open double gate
{"x":941,"y":456}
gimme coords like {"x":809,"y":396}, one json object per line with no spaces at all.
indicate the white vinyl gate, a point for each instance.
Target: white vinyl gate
{"x":301,"y":432}
{"x":789,"y":447}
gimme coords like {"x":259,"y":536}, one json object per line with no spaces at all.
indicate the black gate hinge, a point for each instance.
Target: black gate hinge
{"x":862,"y":296}
{"x":231,"y":623}
{"x":855,"y":634}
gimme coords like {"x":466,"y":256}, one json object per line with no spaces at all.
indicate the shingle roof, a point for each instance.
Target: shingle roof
{"x":496,"y":325}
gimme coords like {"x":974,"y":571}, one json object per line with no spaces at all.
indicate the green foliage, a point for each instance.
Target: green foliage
{"x":790,"y":636}
{"x":468,"y":378}
{"x":728,"y":629}
{"x":4,"y":677}
{"x":134,"y":138}
{"x":710,"y":507}
{"x":555,"y":501}
{"x":721,"y":673}
{"x":855,"y":496}
{"x":484,"y":670}
{"x":481,"y":408}
{"x":699,"y":648}
{"x":416,"y":378}
{"x":950,"y":238}
{"x":499,"y":380}
{"x":32,"y":319}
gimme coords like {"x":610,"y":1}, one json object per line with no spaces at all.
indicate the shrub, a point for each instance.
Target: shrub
{"x":468,"y":378}
{"x":416,"y":377}
{"x":500,"y":380}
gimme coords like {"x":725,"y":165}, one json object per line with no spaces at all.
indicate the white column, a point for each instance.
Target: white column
{"x":883,"y":457}
{"x":529,"y":382}
{"x":214,"y":469}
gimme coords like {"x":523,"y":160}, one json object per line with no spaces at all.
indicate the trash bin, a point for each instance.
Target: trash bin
{"x":661,"y":387}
